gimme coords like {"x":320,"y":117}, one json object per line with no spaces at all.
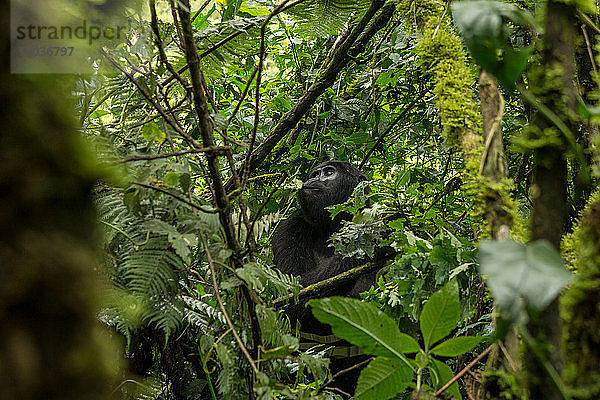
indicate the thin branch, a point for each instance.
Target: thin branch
{"x":386,"y":132}
{"x":205,"y":126}
{"x":588,"y":45}
{"x":177,"y":28}
{"x":220,"y":301}
{"x":242,"y":97}
{"x":351,"y":45}
{"x":181,"y":199}
{"x":202,"y":7}
{"x":231,"y":37}
{"x":217,"y":149}
{"x":264,"y":203}
{"x":261,"y":57}
{"x":345,"y":371}
{"x":464,"y":370}
{"x":159,"y":45}
{"x":172,"y":122}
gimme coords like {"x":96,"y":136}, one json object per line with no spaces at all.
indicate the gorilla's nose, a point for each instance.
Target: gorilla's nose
{"x":313,"y":185}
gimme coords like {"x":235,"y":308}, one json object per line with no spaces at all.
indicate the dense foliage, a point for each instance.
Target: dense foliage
{"x":212,"y":115}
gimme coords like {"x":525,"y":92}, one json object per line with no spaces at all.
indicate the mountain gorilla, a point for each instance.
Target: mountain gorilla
{"x":300,"y":247}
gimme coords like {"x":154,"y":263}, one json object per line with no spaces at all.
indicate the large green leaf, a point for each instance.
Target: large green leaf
{"x":440,"y":314}
{"x":362,"y":324}
{"x":484,"y":27}
{"x":456,"y":346}
{"x":520,"y":275}
{"x":382,"y":379}
{"x":408,"y":344}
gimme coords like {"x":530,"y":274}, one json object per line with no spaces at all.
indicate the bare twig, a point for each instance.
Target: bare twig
{"x":464,"y":370}
{"x":181,"y":199}
{"x":202,"y":7}
{"x":386,"y":132}
{"x":172,"y":122}
{"x":220,"y":301}
{"x":141,"y":157}
{"x":358,"y":365}
{"x":261,"y":57}
{"x":159,"y":45}
{"x":589,"y":48}
{"x":264,"y":203}
{"x":242,"y":97}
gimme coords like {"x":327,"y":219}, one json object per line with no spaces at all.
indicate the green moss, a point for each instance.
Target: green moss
{"x":586,"y":6}
{"x":502,"y":386}
{"x":441,"y":53}
{"x":421,"y":12}
{"x":580,"y":309}
{"x":574,"y":247}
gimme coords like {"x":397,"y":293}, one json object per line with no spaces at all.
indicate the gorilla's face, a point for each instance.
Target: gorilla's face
{"x":329,"y":183}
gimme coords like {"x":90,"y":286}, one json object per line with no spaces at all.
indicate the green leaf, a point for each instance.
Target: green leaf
{"x":440,"y":314}
{"x":382,"y":379}
{"x":444,"y":374}
{"x":520,"y":275}
{"x":151,"y":131}
{"x":484,"y":27}
{"x":185,"y":181}
{"x":361,"y":324}
{"x":456,"y":346}
{"x":171,"y":179}
{"x":408,"y":344}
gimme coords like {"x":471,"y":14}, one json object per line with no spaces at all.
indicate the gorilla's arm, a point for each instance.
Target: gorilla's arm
{"x":292,"y":251}
{"x":329,"y":267}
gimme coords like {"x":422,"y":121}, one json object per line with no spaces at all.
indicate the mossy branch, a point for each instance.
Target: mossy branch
{"x":316,"y":289}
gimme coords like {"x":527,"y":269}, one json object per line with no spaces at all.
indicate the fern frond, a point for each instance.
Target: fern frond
{"x":151,"y":270}
{"x":166,"y":315}
{"x":326,"y":17}
{"x":236,"y":49}
{"x":201,"y":314}
{"x":269,"y":281}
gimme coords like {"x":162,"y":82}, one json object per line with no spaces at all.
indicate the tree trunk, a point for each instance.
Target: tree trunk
{"x":51,"y":345}
{"x":553,"y":85}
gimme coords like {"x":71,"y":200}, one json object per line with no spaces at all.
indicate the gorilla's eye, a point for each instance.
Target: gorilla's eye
{"x":314,"y":174}
{"x":329,"y":171}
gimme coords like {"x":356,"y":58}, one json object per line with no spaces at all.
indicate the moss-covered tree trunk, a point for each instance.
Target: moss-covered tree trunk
{"x":552,"y":83}
{"x":580,"y":308}
{"x":51,"y":345}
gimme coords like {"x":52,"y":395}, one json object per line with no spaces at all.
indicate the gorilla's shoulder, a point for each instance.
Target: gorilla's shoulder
{"x":289,"y":227}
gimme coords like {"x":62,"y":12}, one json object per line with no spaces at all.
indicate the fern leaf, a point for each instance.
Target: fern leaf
{"x":326,"y":17}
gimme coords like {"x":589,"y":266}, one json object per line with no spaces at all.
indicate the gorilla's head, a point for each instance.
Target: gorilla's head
{"x":329,"y":183}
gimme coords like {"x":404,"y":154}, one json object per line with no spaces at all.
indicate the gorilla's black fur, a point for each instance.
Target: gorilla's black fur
{"x":300,"y":247}
{"x":300,"y":242}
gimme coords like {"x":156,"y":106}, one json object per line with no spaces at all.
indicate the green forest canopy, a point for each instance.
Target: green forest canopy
{"x":476,"y":126}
